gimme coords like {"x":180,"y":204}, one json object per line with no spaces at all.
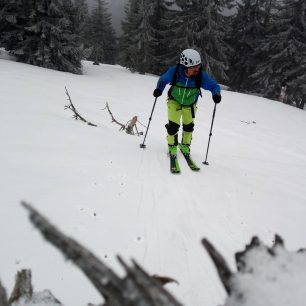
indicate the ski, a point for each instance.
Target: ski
{"x":192,"y":165}
{"x":174,"y":165}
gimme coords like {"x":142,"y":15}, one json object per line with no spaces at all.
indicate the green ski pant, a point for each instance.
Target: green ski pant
{"x":177,"y":111}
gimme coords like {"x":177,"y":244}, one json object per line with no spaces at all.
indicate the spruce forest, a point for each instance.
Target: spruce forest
{"x":258,"y":48}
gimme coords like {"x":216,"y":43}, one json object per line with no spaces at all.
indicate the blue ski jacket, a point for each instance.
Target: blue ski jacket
{"x":185,"y":90}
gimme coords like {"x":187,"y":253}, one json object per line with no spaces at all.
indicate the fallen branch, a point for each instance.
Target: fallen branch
{"x":128,"y":127}
{"x":76,"y":115}
{"x":122,"y":126}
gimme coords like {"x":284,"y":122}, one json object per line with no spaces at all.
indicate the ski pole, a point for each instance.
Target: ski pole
{"x":210,"y":134}
{"x":142,"y":145}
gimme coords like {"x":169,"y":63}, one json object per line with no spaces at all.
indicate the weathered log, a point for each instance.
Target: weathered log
{"x":138,"y":288}
{"x":131,"y":125}
{"x":23,"y":286}
{"x":3,"y":296}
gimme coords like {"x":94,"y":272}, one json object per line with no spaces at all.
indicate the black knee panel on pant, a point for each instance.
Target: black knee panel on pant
{"x":172,"y":127}
{"x":188,"y":127}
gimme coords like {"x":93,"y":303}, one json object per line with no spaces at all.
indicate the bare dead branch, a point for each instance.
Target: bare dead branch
{"x":76,"y":115}
{"x":122,"y":126}
{"x":23,"y":286}
{"x":138,"y":288}
{"x":128,"y":127}
{"x":223,"y":269}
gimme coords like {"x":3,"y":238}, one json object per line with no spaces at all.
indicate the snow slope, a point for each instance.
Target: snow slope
{"x":99,"y":187}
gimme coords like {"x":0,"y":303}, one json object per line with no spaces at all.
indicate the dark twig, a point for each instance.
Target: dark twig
{"x":224,"y":271}
{"x":76,"y":115}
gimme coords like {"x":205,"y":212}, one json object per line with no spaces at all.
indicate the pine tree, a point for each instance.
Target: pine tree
{"x":249,"y":26}
{"x":50,"y":41}
{"x":38,"y":32}
{"x":285,"y":50}
{"x":129,"y":40}
{"x":205,"y":28}
{"x":100,"y":35}
{"x":161,"y":51}
{"x":14,"y":18}
{"x":140,"y":42}
{"x":81,"y":14}
{"x":173,"y":36}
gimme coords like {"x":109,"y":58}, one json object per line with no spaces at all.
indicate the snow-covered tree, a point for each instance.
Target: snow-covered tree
{"x":284,"y":48}
{"x":39,"y":32}
{"x":127,"y":43}
{"x":204,"y":27}
{"x":249,"y":26}
{"x":81,"y":13}
{"x":14,"y":18}
{"x":100,"y":35}
{"x":137,"y":35}
{"x":50,"y":41}
{"x":162,"y":50}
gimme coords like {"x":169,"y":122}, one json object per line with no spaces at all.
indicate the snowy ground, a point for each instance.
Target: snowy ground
{"x":99,"y":187}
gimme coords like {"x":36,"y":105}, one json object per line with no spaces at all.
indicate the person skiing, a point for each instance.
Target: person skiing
{"x":186,"y":80}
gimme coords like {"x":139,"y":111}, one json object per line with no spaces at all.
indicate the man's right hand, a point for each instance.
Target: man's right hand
{"x":157,"y":93}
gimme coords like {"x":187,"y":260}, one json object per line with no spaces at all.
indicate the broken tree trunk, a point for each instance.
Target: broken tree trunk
{"x":3,"y":296}
{"x":23,"y":286}
{"x":138,"y":288}
{"x":266,"y":275}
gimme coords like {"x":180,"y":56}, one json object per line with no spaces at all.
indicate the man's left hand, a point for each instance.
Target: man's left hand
{"x":217,"y":98}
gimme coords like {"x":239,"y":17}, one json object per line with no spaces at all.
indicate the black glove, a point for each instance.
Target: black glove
{"x":157,"y":92}
{"x":217,"y":98}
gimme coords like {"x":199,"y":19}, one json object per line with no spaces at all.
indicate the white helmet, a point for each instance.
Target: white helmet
{"x":190,"y":57}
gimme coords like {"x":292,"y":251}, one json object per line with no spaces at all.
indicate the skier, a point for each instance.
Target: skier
{"x":186,"y":80}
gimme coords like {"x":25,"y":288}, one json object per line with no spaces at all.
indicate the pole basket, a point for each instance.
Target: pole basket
{"x":143,"y":146}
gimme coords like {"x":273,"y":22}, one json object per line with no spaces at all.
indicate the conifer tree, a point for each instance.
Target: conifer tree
{"x":81,"y":14}
{"x":100,"y":35}
{"x":160,"y":44}
{"x":249,"y":26}
{"x":205,"y":28}
{"x":173,"y":35}
{"x":129,"y":44}
{"x":14,"y":18}
{"x":139,"y":38}
{"x":285,"y":54}
{"x":38,"y":32}
{"x":50,"y":40}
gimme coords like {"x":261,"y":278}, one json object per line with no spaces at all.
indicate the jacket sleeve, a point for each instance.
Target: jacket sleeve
{"x":166,"y":78}
{"x":210,"y":84}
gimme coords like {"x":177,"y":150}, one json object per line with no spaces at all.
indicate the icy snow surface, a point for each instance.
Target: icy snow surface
{"x":99,"y":187}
